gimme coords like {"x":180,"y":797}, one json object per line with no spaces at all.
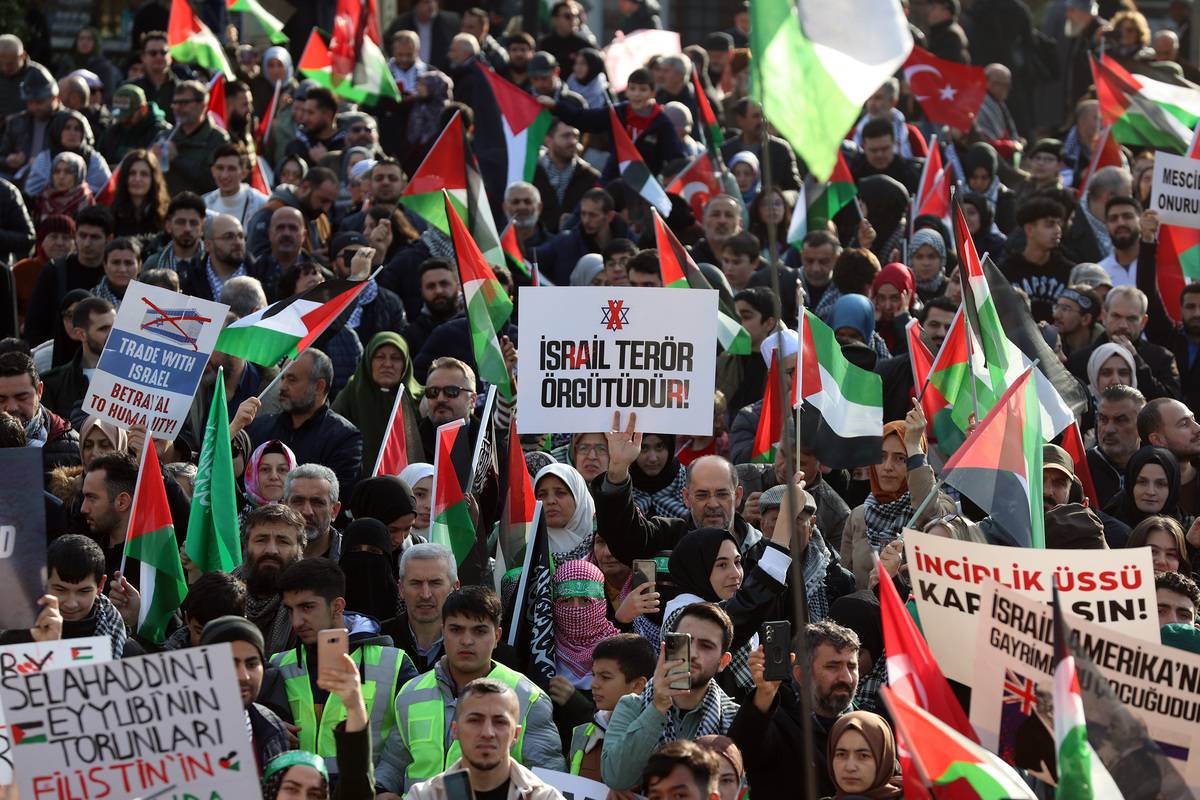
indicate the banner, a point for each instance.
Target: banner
{"x":31,"y":657}
{"x":1175,"y":192}
{"x":1111,"y":587}
{"x":624,"y":53}
{"x":151,"y":366}
{"x":574,"y":787}
{"x":1012,"y":697}
{"x":22,"y":537}
{"x":140,"y":727}
{"x":591,"y":350}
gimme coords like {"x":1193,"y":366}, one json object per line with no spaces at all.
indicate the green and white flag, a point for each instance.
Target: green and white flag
{"x":213,"y":540}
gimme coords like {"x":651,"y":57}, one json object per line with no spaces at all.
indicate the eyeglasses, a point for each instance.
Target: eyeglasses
{"x":592,"y":450}
{"x":231,"y":236}
{"x":451,"y":392}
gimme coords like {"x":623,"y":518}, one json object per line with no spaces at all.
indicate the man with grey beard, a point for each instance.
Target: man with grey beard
{"x":311,"y":490}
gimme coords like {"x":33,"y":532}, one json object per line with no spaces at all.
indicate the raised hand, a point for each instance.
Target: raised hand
{"x":624,"y":447}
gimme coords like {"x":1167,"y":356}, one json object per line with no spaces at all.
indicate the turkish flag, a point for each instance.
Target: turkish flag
{"x":697,"y":183}
{"x":949,"y":93}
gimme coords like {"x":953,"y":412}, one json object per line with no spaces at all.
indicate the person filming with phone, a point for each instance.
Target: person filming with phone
{"x":486,"y":726}
{"x":314,"y":592}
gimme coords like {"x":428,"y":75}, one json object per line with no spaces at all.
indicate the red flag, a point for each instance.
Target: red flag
{"x":258,"y":175}
{"x":932,"y":400}
{"x":264,"y":126}
{"x":109,"y":192}
{"x":393,"y":453}
{"x":1072,"y":442}
{"x":770,"y":418}
{"x":933,"y":192}
{"x":949,"y":93}
{"x":217,"y":112}
{"x":697,"y":184}
{"x":1107,"y":154}
{"x":913,"y":673}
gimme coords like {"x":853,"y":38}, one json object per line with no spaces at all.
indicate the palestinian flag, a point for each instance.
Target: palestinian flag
{"x":932,"y":401}
{"x":269,"y":23}
{"x":1178,"y":261}
{"x":513,"y":256}
{"x":151,"y":541}
{"x":946,"y":758}
{"x":679,"y":271}
{"x":959,"y":362}
{"x":697,"y":183}
{"x":530,"y":617}
{"x":838,"y":193}
{"x":526,"y":122}
{"x":32,"y":732}
{"x":770,"y":419}
{"x":517,"y":518}
{"x":217,"y":111}
{"x":713,"y":136}
{"x":444,"y":168}
{"x":190,"y":41}
{"x":933,"y":192}
{"x":451,"y":523}
{"x":366,"y":79}
{"x":843,"y":403}
{"x":1072,"y":442}
{"x":999,"y":466}
{"x":264,"y":126}
{"x":289,"y":326}
{"x":401,"y":440}
{"x":214,"y":541}
{"x":815,"y":69}
{"x":261,"y":176}
{"x":634,"y":171}
{"x":488,"y":304}
{"x":1081,"y":774}
{"x":1144,"y":112}
{"x":1108,"y":154}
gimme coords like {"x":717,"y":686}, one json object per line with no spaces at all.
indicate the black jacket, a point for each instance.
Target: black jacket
{"x":1079,"y":241}
{"x":195,"y":281}
{"x":444,"y":25}
{"x":64,"y":386}
{"x":453,"y":338}
{"x":583,"y":178}
{"x":401,"y":275}
{"x":658,"y":145}
{"x":1155,"y":369}
{"x":905,"y":170}
{"x":384,"y":313}
{"x":325,"y":438}
{"x":948,"y":40}
{"x":17,"y":233}
{"x":401,"y":634}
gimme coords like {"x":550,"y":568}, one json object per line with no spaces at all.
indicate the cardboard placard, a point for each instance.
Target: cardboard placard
{"x":1175,"y":192}
{"x":574,"y":787}
{"x":22,"y":536}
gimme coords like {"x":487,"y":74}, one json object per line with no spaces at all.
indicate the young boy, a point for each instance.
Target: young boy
{"x":621,"y":665}
{"x":75,"y":578}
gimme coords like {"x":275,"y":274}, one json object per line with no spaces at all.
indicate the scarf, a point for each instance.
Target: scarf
{"x":271,"y":617}
{"x":168,"y":259}
{"x":104,"y":289}
{"x":650,"y":484}
{"x":1103,"y":353}
{"x":369,"y":406}
{"x":816,"y":566}
{"x":371,"y":587}
{"x":559,"y":179}
{"x":427,"y":111}
{"x":717,"y":711}
{"x":37,"y":430}
{"x":878,"y":734}
{"x":439,"y":244}
{"x":110,"y":624}
{"x":1099,"y":229}
{"x":66,"y":202}
{"x":574,"y":540}
{"x":886,"y":512}
{"x":251,"y":476}
{"x":365,"y":298}
{"x":215,"y":281}
{"x":579,"y":628}
{"x":118,"y":438}
{"x":636,"y":124}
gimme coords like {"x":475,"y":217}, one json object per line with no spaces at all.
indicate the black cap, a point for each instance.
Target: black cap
{"x":346,"y":239}
{"x":232,"y":628}
{"x":542,"y":64}
{"x":720,"y":42}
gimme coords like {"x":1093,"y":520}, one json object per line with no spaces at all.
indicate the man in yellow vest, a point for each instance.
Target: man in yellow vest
{"x":314,"y":592}
{"x":423,"y":745}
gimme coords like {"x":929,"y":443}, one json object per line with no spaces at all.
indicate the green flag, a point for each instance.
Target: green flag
{"x":213,"y":541}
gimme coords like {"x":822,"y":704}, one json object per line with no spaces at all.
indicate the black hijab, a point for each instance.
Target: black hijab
{"x":370,"y":585}
{"x":981,"y":154}
{"x":54,"y":134}
{"x":652,"y":484}
{"x":692,"y":562}
{"x":1123,"y":506}
{"x":385,"y":498}
{"x":887,"y":202}
{"x":595,"y":64}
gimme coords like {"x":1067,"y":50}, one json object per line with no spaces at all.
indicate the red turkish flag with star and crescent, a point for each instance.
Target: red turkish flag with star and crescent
{"x":949,"y":93}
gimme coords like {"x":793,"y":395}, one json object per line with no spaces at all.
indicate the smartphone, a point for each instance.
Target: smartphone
{"x":644,"y":570}
{"x":679,"y":646}
{"x":458,"y":785}
{"x":332,"y":644}
{"x":777,"y":646}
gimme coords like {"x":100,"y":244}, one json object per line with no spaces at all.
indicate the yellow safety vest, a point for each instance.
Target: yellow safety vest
{"x":579,"y":740}
{"x":421,"y":721}
{"x":379,"y":669}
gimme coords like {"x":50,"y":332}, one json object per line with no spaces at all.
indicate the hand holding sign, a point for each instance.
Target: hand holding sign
{"x":624,"y":447}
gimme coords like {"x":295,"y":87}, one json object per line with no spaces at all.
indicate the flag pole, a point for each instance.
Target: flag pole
{"x":970,"y":348}
{"x":807,"y":740}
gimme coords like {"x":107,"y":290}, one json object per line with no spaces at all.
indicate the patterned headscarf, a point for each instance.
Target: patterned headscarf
{"x":273,"y":446}
{"x":578,"y":628}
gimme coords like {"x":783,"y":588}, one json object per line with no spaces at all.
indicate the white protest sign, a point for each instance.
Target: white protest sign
{"x":626,"y":53}
{"x":1112,"y":587}
{"x":588,"y":351}
{"x":31,"y":657}
{"x":168,"y":725}
{"x":574,"y":787}
{"x":154,"y":358}
{"x":1012,"y":697}
{"x":1175,"y":192}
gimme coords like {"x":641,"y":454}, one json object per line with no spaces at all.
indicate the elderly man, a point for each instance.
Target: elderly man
{"x":722,"y":219}
{"x":311,"y":490}
{"x":428,"y":574}
{"x":523,"y":208}
{"x":14,"y":64}
{"x":27,"y":133}
{"x":995,"y":121}
{"x":285,"y":238}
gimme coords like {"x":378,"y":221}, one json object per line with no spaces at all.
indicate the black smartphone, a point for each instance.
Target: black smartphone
{"x":679,"y":646}
{"x":777,"y":647}
{"x":458,"y":785}
{"x":644,"y":570}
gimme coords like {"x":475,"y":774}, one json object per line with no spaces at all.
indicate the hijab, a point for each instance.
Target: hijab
{"x":579,"y":628}
{"x":586,"y":269}
{"x":692,"y":561}
{"x":877,"y":732}
{"x":368,"y":405}
{"x":412,"y":475}
{"x":751,"y":160}
{"x":386,"y":498}
{"x":654,"y":484}
{"x":281,"y":55}
{"x":887,"y":203}
{"x":578,"y":530}
{"x":1103,"y":353}
{"x":118,"y":438}
{"x":923,"y":237}
{"x":54,"y":134}
{"x":427,"y":111}
{"x":854,"y":311}
{"x":894,"y":428}
{"x":594,"y":86}
{"x":65,"y":201}
{"x":251,"y":478}
{"x":1123,"y":506}
{"x":371,"y":587}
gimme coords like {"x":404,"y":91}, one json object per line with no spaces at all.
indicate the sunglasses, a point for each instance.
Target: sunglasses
{"x":451,"y":392}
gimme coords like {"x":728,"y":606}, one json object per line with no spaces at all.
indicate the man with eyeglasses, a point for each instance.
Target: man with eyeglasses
{"x":191,"y":145}
{"x":449,"y":395}
{"x":225,"y":243}
{"x":565,"y":38}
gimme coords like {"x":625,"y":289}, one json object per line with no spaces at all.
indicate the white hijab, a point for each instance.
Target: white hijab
{"x":413,"y":474}
{"x":579,"y":528}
